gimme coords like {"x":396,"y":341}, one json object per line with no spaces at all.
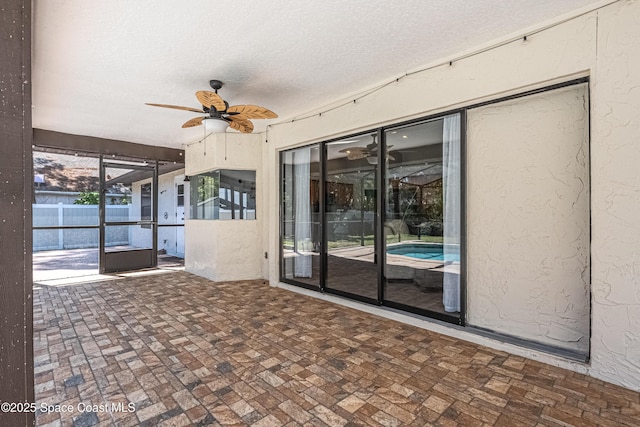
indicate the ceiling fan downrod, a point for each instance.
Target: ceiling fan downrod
{"x":215,"y":85}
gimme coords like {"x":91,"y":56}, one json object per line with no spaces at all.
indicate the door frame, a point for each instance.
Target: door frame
{"x":177,"y":181}
{"x":127,"y":260}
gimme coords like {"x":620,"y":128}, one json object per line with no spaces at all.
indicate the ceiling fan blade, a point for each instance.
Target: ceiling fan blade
{"x":357,"y":155}
{"x":197,"y":121}
{"x":176,"y":107}
{"x":211,"y":100}
{"x":355,"y":150}
{"x":241,"y":124}
{"x":252,"y":112}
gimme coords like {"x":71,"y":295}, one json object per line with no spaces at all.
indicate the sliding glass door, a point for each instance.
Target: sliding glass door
{"x":422,"y":217}
{"x":377,"y":217}
{"x":350,"y":213}
{"x":300,"y":227}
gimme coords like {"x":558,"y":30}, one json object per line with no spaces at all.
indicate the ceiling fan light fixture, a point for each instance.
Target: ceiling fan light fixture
{"x":373,"y":160}
{"x":212,"y":125}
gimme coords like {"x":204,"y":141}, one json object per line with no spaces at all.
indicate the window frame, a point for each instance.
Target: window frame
{"x":216,"y":175}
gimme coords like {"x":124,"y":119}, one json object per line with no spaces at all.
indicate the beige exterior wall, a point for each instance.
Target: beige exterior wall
{"x":601,"y":44}
{"x":226,"y":249}
{"x":615,"y":200}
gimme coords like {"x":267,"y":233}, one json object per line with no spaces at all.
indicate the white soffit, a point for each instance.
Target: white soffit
{"x":95,"y":63}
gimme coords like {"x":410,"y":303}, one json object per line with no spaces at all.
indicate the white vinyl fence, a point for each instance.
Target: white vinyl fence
{"x":56,"y":215}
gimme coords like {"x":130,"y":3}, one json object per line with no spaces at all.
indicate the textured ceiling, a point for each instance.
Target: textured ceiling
{"x":95,"y":63}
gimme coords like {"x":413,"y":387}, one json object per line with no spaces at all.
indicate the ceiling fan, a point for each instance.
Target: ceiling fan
{"x":369,"y":152}
{"x":237,"y":116}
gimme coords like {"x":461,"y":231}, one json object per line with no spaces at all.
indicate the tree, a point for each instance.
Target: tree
{"x":87,"y":198}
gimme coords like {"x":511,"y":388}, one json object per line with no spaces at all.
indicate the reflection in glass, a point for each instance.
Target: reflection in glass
{"x":422,"y":216}
{"x":301,"y":215}
{"x":224,"y":194}
{"x":350,"y":216}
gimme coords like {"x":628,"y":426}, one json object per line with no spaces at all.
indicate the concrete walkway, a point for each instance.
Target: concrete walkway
{"x":78,"y":263}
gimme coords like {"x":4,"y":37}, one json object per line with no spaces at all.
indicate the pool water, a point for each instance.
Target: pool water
{"x":430,"y":252}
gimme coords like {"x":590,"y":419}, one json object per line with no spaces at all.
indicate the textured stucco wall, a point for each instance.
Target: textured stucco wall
{"x":615,"y":176}
{"x":226,"y":249}
{"x":230,"y":150}
{"x":528,"y":218}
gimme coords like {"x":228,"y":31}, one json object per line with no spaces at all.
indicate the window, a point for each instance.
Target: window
{"x":224,"y":194}
{"x":180,"y":201}
{"x":145,"y":202}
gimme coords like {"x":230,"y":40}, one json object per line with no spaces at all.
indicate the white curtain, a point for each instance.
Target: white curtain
{"x":451,"y":214}
{"x":302,"y":225}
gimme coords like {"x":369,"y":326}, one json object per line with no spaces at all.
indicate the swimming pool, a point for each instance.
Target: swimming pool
{"x":423,"y":251}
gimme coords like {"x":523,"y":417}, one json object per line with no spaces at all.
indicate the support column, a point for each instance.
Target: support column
{"x":16,"y":180}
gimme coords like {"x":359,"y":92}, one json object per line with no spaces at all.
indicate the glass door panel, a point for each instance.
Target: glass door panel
{"x":65,"y":215}
{"x":301,"y":231}
{"x":350,"y":206}
{"x":422,"y":216}
{"x":128,"y":247}
{"x":128,"y":221}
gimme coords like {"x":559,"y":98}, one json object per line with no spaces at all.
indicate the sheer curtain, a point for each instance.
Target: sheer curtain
{"x":302,"y":218}
{"x":451,"y":214}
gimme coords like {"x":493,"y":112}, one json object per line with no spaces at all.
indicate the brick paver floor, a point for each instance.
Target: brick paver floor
{"x":183,"y":350}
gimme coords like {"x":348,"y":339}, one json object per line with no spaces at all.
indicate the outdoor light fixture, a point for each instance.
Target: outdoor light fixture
{"x":212,"y":125}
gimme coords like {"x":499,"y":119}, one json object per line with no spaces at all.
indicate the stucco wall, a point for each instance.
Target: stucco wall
{"x":602,"y":44}
{"x":528,"y":218}
{"x":226,"y":249}
{"x":615,"y":177}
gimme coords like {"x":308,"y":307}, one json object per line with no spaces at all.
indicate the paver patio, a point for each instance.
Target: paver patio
{"x":187,"y":351}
